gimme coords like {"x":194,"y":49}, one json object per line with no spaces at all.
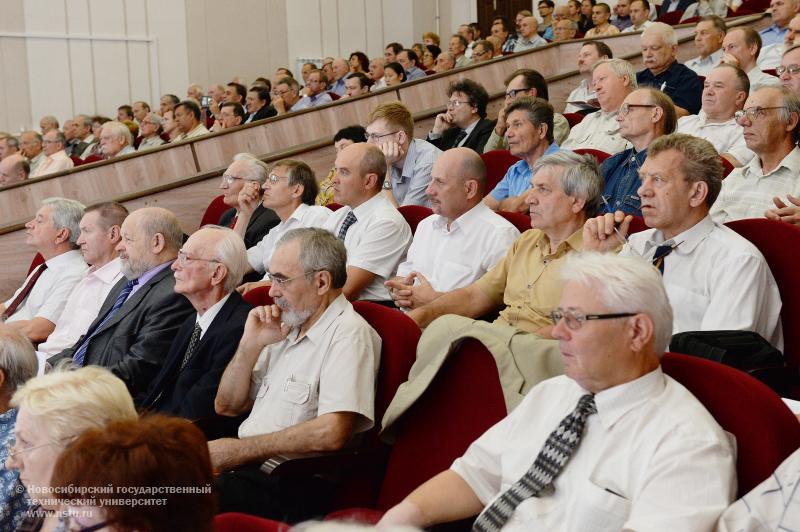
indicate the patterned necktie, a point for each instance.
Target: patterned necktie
{"x":12,"y":308}
{"x":555,"y":454}
{"x":349,"y":220}
{"x":80,"y":353}
{"x":661,"y":252}
{"x":461,"y":136}
{"x":192,"y":344}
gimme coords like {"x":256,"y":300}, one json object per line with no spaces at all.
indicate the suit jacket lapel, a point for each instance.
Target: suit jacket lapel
{"x":135,"y":299}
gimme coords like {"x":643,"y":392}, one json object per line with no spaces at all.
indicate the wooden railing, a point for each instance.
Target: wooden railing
{"x":183,"y":177}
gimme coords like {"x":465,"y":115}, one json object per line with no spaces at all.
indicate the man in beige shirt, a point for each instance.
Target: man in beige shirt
{"x":187,"y":116}
{"x":56,"y":159}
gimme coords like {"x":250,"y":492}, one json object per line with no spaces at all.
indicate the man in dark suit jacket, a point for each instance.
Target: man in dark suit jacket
{"x":258,"y":104}
{"x":138,"y":320}
{"x":207,"y":274}
{"x":682,"y":5}
{"x":464,"y":123}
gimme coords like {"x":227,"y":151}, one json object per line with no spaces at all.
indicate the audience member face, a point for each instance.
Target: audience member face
{"x":391,"y":77}
{"x":375,"y":69}
{"x":574,"y":9}
{"x":5,"y":149}
{"x":455,"y":47}
{"x":217,"y":93}
{"x":549,"y":206}
{"x":600,"y":16}
{"x":50,"y":143}
{"x":608,"y":87}
{"x":499,"y":32}
{"x":327,"y":67}
{"x":46,"y":125}
{"x":639,"y":15}
{"x":788,"y":79}
{"x":720,"y":97}
{"x":404,"y":61}
{"x":193,"y":93}
{"x":11,"y":170}
{"x":233,"y":181}
{"x":768,"y":130}
{"x":139,"y":111}
{"x":462,"y":112}
{"x":228,"y":118}
{"x":587,"y":57}
{"x":707,"y":39}
{"x":81,"y":129}
{"x":95,"y":241}
{"x":522,"y":135}
{"x":518,"y":21}
{"x":110,"y":143}
{"x":380,"y":132}
{"x":35,"y":456}
{"x":348,"y":182}
{"x":657,"y":54}
{"x":340,"y":68}
{"x":480,"y":54}
{"x":231,"y":95}
{"x":278,"y":195}
{"x":561,"y":13}
{"x":735,"y":45}
{"x":134,"y":248}
{"x":783,"y":11}
{"x":389,"y":55}
{"x":69,"y":130}
{"x":447,"y":189}
{"x":30,"y":145}
{"x":518,"y":87}
{"x":355,"y":64}
{"x":97,"y":128}
{"x":122,"y":115}
{"x":353,"y":87}
{"x":40,"y":232}
{"x":185,"y":119}
{"x":147,"y":128}
{"x":623,"y":8}
{"x":341,"y":144}
{"x":428,"y":60}
{"x":528,"y":28}
{"x":792,"y":33}
{"x":166,"y":104}
{"x":563,"y":30}
{"x":586,"y":8}
{"x":444,"y":63}
{"x":194,"y":275}
{"x":305,"y":71}
{"x":287,"y":94}
{"x":297,"y":298}
{"x":665,"y":193}
{"x":315,"y":84}
{"x":169,"y":125}
{"x":254,"y":103}
{"x":544,"y":10}
{"x":637,"y":122}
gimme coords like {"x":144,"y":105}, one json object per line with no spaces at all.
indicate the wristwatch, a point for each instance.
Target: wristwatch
{"x":387,"y":184}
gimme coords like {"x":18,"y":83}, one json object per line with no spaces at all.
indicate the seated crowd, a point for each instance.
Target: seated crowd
{"x":131,"y":337}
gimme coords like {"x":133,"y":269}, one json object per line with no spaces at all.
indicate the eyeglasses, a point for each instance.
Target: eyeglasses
{"x":372,"y":137}
{"x":228,"y":179}
{"x":625,"y":108}
{"x":513,"y":92}
{"x":457,"y":103}
{"x":753,"y":113}
{"x":183,"y":258}
{"x":793,"y":69}
{"x":283,"y":281}
{"x":281,"y":93}
{"x":274,"y":178}
{"x":575,"y":319}
{"x":12,"y":451}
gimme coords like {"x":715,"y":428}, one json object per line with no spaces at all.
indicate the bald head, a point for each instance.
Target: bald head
{"x":528,"y":27}
{"x":458,"y":180}
{"x":13,"y":169}
{"x":150,"y":236}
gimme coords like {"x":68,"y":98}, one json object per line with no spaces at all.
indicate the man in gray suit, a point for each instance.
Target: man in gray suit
{"x":141,"y":315}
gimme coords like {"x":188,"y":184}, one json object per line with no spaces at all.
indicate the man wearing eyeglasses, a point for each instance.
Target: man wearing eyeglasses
{"x":305,"y":371}
{"x":208,"y":269}
{"x":464,"y":123}
{"x":241,"y":191}
{"x":613,"y":444}
{"x":137,"y":322}
{"x":150,"y":128}
{"x":716,"y":279}
{"x":770,"y":125}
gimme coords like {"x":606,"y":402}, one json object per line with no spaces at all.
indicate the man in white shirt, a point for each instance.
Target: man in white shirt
{"x":460,"y":242}
{"x":715,"y":278}
{"x":613,"y":444}
{"x":589,"y":54}
{"x":56,"y":159}
{"x":100,"y":234}
{"x":708,"y":36}
{"x":375,"y":234}
{"x":305,"y":370}
{"x":529,"y":35}
{"x":724,"y":92}
{"x":36,"y":305}
{"x":116,"y":140}
{"x":770,"y":125}
{"x":612,"y":81}
{"x":187,"y":117}
{"x":770,"y":56}
{"x":741,"y":47}
{"x":376,"y":73}
{"x":640,"y":16}
{"x":290,"y":191}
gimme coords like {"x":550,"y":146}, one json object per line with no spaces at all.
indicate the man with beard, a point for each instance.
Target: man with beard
{"x":305,"y":370}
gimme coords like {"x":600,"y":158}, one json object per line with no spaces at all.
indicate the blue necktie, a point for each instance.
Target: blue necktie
{"x":80,"y":353}
{"x":661,"y":253}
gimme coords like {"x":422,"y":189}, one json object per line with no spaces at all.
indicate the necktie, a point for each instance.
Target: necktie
{"x":661,"y":252}
{"x":80,"y":353}
{"x":349,"y":220}
{"x":12,"y":308}
{"x":192,"y":344}
{"x":461,"y":136}
{"x":555,"y":454}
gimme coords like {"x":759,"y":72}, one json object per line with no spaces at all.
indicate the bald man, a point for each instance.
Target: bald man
{"x":13,"y":169}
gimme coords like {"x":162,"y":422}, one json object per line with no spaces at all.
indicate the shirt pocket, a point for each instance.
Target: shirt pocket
{"x":600,"y":509}
{"x":295,"y":403}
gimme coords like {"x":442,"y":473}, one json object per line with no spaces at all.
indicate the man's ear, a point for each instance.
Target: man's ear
{"x":641,"y":331}
{"x":323,"y":281}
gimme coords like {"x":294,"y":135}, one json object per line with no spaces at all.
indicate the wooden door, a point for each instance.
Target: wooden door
{"x":488,"y":9}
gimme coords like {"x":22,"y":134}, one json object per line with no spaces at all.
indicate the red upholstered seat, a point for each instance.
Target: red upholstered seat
{"x":766,"y":430}
{"x":599,"y":155}
{"x":573,"y":118}
{"x":236,"y":522}
{"x":671,"y":18}
{"x":770,"y":71}
{"x":77,"y":161}
{"x":37,"y":260}
{"x":214,"y":211}
{"x":333,"y":95}
{"x":691,"y":20}
{"x":521,"y":221}
{"x":637,"y":225}
{"x":259,"y":296}
{"x":414,"y":214}
{"x":727,"y":166}
{"x":497,"y":164}
{"x":334,"y":206}
{"x":93,"y":159}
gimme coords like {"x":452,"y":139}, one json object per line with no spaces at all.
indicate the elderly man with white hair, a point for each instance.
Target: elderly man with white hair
{"x":663,"y":72}
{"x":116,"y":140}
{"x":613,"y":444}
{"x":56,"y":158}
{"x":150,"y":129}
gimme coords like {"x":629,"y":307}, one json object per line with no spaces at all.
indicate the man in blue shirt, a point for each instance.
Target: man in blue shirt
{"x":530,"y":136}
{"x":645,"y":115}
{"x":409,"y":60}
{"x":782,"y":13}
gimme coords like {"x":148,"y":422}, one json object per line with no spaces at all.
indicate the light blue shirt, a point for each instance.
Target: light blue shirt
{"x":146,"y":276}
{"x":312,"y":101}
{"x":772,"y":35}
{"x":414,"y":73}
{"x":409,"y":185}
{"x":518,"y":178}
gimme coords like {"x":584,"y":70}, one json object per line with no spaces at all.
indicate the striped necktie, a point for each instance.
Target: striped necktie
{"x":349,"y":220}
{"x":80,"y":353}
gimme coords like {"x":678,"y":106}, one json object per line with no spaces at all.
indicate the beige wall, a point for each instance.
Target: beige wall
{"x":65,"y":57}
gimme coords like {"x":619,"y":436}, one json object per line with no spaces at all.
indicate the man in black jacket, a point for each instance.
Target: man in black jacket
{"x":258,"y":104}
{"x":464,"y":124}
{"x":208,"y":269}
{"x":246,"y":172}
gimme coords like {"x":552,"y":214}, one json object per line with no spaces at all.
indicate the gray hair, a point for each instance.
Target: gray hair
{"x":620,"y":68}
{"x":58,"y":134}
{"x":12,"y":142}
{"x":625,"y":284}
{"x":155,"y":119}
{"x":118,"y":129}
{"x":319,"y":251}
{"x":289,"y":82}
{"x":790,"y":103}
{"x":701,"y":162}
{"x":17,"y":359}
{"x":664,"y":30}
{"x":257,"y":170}
{"x":580,"y":177}
{"x":229,"y":251}
{"x":164,"y":222}
{"x":66,"y":214}
{"x":86,"y":120}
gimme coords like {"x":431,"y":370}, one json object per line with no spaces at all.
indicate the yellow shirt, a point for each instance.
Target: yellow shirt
{"x":528,"y":280}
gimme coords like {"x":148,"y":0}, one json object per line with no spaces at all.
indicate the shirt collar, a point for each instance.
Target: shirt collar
{"x":791,"y":162}
{"x":298,"y":212}
{"x":368,"y":206}
{"x":62,"y":259}
{"x":463,"y":221}
{"x":615,"y":402}
{"x":688,"y":240}
{"x":107,"y":272}
{"x":208,"y":316}
{"x":149,"y":274}
{"x":574,"y":242}
{"x":408,"y":162}
{"x":314,"y":334}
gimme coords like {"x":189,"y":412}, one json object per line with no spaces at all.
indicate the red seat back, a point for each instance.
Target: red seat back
{"x":463,"y":401}
{"x":334,"y":206}
{"x":214,"y":211}
{"x":599,"y":155}
{"x":770,"y":71}
{"x":236,"y":522}
{"x":414,"y":214}
{"x":333,"y":95}
{"x":259,"y":297}
{"x":775,"y":240}
{"x":637,"y":225}
{"x":766,"y":430}
{"x":573,"y":118}
{"x":497,"y":164}
{"x":672,"y":18}
{"x":37,"y":260}
{"x":521,"y":221}
{"x":727,"y":167}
